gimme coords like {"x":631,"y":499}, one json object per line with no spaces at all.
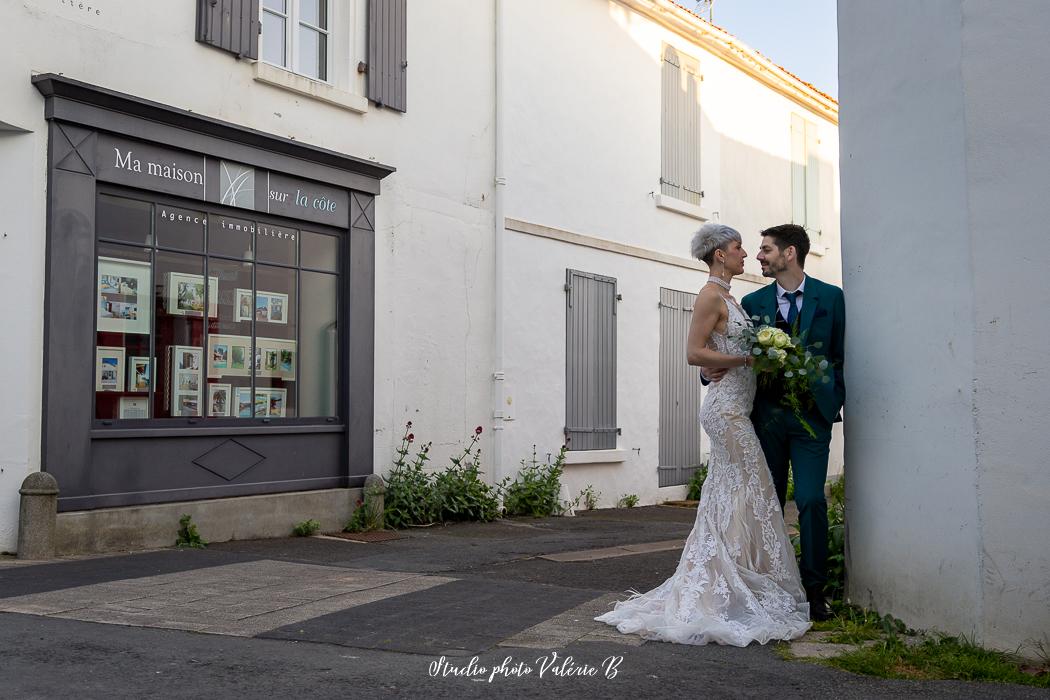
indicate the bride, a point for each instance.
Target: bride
{"x":737,"y":581}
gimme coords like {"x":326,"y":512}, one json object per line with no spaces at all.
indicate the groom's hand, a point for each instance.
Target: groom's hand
{"x":713,"y":374}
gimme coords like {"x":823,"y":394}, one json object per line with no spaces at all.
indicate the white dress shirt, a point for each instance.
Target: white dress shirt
{"x":782,"y":303}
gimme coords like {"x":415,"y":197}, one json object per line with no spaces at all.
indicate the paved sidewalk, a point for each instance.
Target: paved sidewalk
{"x":416,"y":616}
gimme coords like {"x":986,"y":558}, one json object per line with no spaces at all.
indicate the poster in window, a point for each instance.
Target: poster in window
{"x":139,"y":373}
{"x":123,"y":296}
{"x":185,"y":295}
{"x":269,"y":402}
{"x":268,"y":307}
{"x":244,"y":402}
{"x":275,"y":358}
{"x":109,"y":369}
{"x":134,"y":407}
{"x":186,"y":381}
{"x":227,"y":355}
{"x":219,"y":399}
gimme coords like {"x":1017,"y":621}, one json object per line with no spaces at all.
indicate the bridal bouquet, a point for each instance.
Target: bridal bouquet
{"x":784,"y":357}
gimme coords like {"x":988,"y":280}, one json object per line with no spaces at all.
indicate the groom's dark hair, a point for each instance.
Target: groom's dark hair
{"x":786,"y":235}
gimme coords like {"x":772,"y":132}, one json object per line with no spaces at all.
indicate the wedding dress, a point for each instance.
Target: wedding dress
{"x":737,"y":581}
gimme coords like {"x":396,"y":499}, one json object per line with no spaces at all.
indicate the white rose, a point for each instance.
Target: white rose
{"x":781,"y":339}
{"x":765,"y":335}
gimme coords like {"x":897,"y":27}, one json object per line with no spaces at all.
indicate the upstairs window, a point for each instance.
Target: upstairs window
{"x":295,"y":36}
{"x":805,"y":175}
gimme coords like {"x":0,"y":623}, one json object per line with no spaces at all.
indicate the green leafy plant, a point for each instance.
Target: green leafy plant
{"x":835,"y":588}
{"x":791,"y":486}
{"x":306,"y":528}
{"x":409,"y":495}
{"x":590,"y":497}
{"x":696,"y":483}
{"x":188,"y":535}
{"x":460,"y":491}
{"x":536,"y":489}
{"x":628,"y":500}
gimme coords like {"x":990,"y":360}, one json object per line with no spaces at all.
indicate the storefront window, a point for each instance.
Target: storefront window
{"x":216,"y":320}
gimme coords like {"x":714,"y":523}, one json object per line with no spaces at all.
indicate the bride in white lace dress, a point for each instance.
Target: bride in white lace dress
{"x":737,"y":581}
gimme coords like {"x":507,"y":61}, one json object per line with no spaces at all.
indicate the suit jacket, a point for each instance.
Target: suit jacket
{"x":823,"y":320}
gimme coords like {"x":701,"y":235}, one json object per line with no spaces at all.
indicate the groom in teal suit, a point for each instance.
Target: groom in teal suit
{"x":803,"y":305}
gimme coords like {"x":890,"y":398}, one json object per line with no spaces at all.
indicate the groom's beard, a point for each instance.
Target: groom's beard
{"x":771,"y":269}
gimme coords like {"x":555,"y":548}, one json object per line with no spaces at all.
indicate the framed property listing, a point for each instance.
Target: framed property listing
{"x":123,"y":303}
{"x":185,"y":295}
{"x":275,"y":358}
{"x":186,"y":380}
{"x":228,"y":355}
{"x":109,"y":369}
{"x":268,"y":307}
{"x":269,"y":402}
{"x":134,"y":407}
{"x":219,"y":399}
{"x":139,"y":373}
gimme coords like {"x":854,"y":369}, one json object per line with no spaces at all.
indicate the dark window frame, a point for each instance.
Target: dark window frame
{"x":203,"y":424}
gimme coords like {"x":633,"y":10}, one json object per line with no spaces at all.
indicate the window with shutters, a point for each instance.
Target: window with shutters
{"x":296,"y":36}
{"x":805,"y":175}
{"x":680,"y":127}
{"x":590,"y":361}
{"x":681,"y":438}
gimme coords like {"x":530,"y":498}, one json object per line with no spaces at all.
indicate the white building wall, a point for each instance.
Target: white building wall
{"x":582,"y":85}
{"x":944,"y":197}
{"x":434,"y":239}
{"x":583,"y":151}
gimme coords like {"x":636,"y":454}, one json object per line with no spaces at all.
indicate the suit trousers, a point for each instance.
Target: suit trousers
{"x":785,"y":444}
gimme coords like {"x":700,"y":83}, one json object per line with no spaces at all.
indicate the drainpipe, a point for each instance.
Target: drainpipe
{"x":500,"y":184}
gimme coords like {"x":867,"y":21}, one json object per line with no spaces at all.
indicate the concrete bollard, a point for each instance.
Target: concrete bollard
{"x":37,"y":516}
{"x":375,"y":500}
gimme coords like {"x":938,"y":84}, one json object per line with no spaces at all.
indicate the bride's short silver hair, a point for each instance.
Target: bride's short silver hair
{"x":712,"y":237}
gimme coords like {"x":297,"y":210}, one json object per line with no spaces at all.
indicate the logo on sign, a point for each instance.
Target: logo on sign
{"x":237,"y":185}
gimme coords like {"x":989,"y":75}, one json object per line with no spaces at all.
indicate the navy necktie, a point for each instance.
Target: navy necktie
{"x":792,"y":308}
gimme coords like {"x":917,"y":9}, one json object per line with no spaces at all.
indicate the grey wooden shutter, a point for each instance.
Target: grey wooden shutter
{"x":812,"y":180}
{"x":670,"y":130}
{"x":680,"y":127}
{"x":680,"y":392}
{"x":690,"y":137}
{"x":590,"y":361}
{"x":387,"y":53}
{"x":230,"y":25}
{"x":798,"y":170}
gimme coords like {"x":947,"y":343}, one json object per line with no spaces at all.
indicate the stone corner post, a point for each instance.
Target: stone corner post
{"x":375,"y":500}
{"x":37,"y":516}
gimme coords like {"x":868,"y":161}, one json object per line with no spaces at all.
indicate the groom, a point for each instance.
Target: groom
{"x":802,"y":305}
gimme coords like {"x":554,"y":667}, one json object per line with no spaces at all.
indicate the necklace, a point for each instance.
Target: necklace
{"x":720,"y":282}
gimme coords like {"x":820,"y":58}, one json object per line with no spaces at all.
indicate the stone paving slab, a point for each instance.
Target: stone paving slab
{"x":619,"y":551}
{"x":462,"y":617}
{"x":575,"y":624}
{"x":243,"y":599}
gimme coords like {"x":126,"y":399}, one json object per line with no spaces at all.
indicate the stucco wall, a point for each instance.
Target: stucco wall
{"x":944,"y":196}
{"x":434,"y":238}
{"x":583,"y":153}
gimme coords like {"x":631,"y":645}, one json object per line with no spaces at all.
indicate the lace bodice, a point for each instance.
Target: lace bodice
{"x":736,"y":392}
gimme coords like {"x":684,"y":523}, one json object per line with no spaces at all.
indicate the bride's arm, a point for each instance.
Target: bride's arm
{"x":706,"y":311}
